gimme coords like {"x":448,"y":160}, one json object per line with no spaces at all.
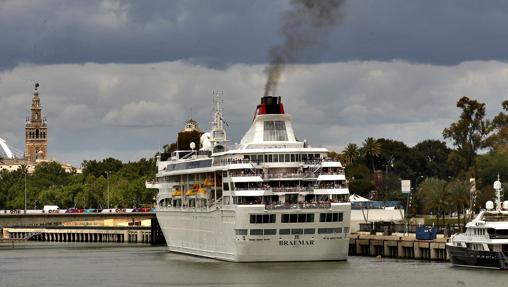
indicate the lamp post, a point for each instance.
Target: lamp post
{"x":25,"y":172}
{"x":407,"y":205}
{"x":388,"y":164}
{"x":107,"y":181}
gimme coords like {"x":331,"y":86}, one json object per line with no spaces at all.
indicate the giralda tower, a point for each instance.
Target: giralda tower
{"x":36,"y":131}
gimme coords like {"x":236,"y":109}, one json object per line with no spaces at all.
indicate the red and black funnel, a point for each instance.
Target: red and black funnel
{"x":270,"y":105}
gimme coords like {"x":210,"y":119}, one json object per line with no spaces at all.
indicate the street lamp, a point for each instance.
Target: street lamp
{"x":25,"y":171}
{"x":407,"y":203}
{"x":388,"y":164}
{"x":107,"y":181}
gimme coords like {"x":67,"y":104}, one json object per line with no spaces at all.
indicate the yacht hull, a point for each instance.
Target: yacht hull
{"x":461,"y":256}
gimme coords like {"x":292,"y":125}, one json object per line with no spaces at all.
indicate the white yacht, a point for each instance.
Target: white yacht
{"x":485,"y":242}
{"x":269,"y":198}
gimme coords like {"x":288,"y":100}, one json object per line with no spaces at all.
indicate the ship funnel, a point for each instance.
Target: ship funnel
{"x":270,"y":105}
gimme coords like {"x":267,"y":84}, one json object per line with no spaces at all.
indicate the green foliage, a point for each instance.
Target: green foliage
{"x":430,"y":159}
{"x":51,"y":185}
{"x":499,"y":137}
{"x":371,"y":149}
{"x":350,"y":154}
{"x":361,"y":187}
{"x":469,"y":133}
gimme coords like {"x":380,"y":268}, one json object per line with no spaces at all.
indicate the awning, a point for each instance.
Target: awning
{"x":239,"y":166}
{"x":331,"y":164}
{"x":331,"y":191}
{"x":246,"y":179}
{"x":332,"y":177}
{"x":252,"y":192}
{"x":356,"y":197}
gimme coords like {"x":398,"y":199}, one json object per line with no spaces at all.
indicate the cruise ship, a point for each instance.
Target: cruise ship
{"x":485,"y":242}
{"x":271,"y":197}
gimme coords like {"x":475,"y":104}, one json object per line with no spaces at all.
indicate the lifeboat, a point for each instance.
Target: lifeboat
{"x":176,"y":192}
{"x":202,"y":192}
{"x":208,"y":182}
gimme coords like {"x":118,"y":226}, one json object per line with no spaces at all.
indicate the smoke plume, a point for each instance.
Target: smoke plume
{"x":303,"y":26}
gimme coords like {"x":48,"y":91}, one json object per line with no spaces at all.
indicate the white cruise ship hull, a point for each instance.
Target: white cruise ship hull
{"x":212,"y":234}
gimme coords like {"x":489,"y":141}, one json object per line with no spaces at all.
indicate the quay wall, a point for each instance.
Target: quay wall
{"x":407,"y":247}
{"x":119,"y":234}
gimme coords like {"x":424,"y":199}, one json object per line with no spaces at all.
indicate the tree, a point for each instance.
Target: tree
{"x":499,"y":137}
{"x":434,"y":196}
{"x":468,"y":134}
{"x":458,"y":191}
{"x":99,"y":168}
{"x":371,"y":149}
{"x":350,"y":153}
{"x":430,"y":159}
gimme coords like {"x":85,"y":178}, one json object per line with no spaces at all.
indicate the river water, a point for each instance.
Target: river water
{"x":80,"y":265}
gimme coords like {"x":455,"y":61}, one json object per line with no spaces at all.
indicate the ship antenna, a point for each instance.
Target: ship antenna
{"x":218,"y":136}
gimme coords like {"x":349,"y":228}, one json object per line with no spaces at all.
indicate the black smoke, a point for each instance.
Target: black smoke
{"x":305,"y":25}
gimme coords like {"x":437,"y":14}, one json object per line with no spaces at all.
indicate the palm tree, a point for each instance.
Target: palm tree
{"x":371,"y":148}
{"x":434,"y":196}
{"x":459,"y":195}
{"x":350,"y":153}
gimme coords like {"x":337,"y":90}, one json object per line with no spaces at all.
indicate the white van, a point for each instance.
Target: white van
{"x":50,"y":209}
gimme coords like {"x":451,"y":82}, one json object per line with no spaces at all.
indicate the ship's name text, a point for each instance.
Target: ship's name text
{"x":295,"y":242}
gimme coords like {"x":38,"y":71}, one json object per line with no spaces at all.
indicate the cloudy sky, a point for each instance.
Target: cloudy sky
{"x":119,"y":78}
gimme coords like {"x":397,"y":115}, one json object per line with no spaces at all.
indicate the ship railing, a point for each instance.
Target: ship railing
{"x":289,"y":175}
{"x":292,"y":189}
{"x":315,"y":205}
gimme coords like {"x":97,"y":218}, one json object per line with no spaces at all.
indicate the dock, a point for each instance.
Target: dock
{"x":398,"y":246}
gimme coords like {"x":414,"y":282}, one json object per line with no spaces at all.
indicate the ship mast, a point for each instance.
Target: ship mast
{"x":218,"y":136}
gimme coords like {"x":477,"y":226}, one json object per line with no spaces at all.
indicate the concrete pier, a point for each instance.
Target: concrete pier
{"x":397,"y":247}
{"x":82,"y":234}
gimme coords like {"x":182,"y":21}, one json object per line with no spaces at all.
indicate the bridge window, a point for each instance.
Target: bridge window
{"x":275,"y":131}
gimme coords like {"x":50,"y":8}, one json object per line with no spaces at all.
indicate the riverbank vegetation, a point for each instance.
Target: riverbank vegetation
{"x":445,"y":178}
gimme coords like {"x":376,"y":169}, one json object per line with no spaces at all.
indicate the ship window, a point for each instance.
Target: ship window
{"x":241,"y":231}
{"x":270,"y":231}
{"x":297,"y":218}
{"x":296,"y":231}
{"x":293,"y":158}
{"x":284,"y":231}
{"x":309,"y":231}
{"x":275,"y":131}
{"x":287,"y":159}
{"x":331,"y":217}
{"x":262,"y":218}
{"x":329,"y":230}
{"x":225,"y":186}
{"x":256,"y":232}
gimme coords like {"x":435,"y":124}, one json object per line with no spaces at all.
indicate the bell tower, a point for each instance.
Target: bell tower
{"x":36,"y":131}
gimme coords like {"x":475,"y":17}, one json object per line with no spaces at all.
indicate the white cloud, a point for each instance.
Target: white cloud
{"x":128,"y":110}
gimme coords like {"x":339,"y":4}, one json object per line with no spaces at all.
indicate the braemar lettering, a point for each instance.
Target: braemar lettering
{"x":295,"y":242}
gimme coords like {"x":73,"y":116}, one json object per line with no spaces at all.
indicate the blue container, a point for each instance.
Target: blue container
{"x":426,"y":233}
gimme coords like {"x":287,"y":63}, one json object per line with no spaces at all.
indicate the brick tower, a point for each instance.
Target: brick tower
{"x":36,"y":131}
